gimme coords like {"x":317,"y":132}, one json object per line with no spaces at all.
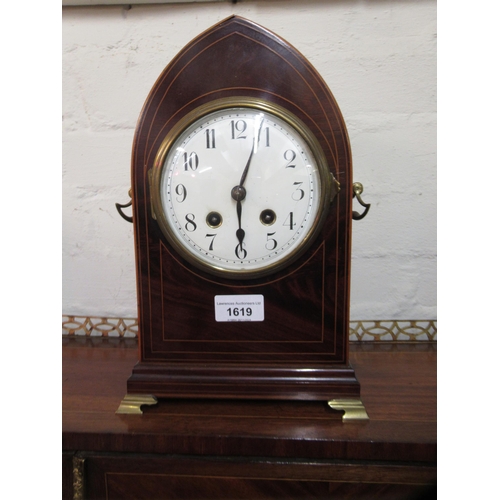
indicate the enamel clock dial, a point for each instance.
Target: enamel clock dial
{"x":240,"y":188}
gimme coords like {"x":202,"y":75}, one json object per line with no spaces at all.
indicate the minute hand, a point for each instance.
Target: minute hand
{"x":247,"y":166}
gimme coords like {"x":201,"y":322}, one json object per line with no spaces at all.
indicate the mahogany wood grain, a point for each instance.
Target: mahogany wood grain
{"x":398,"y":390}
{"x":136,"y":477}
{"x":67,"y":476}
{"x":252,"y":449}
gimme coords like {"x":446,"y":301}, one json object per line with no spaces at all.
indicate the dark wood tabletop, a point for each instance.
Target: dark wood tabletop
{"x":398,"y":389}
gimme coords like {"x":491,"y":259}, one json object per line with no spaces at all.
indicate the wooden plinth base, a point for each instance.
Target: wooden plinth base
{"x":226,"y":381}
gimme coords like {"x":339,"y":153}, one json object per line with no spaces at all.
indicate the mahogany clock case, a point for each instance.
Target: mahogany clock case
{"x":300,"y":350}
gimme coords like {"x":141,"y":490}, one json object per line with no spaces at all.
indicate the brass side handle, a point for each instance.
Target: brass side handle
{"x":357,"y":189}
{"x":119,"y":207}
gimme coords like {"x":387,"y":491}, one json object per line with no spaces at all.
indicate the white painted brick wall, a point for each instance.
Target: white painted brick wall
{"x":379,"y":59}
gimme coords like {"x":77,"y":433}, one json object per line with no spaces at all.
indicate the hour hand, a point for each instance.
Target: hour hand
{"x":238,"y":194}
{"x":240,"y":233}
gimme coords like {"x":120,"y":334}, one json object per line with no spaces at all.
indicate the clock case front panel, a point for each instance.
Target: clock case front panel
{"x":300,"y":350}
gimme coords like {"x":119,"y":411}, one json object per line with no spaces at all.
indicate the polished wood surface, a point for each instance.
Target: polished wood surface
{"x":222,"y":445}
{"x":306,"y":304}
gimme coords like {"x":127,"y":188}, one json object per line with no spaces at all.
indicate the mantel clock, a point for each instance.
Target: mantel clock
{"x":242,"y":207}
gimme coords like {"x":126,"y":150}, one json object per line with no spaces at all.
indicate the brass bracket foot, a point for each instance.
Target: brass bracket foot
{"x":131,"y":403}
{"x":353,"y":409}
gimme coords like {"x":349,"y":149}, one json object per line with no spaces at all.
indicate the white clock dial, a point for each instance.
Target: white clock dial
{"x":240,"y":191}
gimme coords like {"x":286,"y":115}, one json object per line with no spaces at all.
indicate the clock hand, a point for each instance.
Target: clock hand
{"x":240,"y":233}
{"x":247,"y":166}
{"x":238,"y":193}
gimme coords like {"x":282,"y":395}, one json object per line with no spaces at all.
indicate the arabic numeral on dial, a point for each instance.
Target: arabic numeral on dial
{"x":271,"y":243}
{"x":210,"y":136}
{"x":181,"y":191}
{"x":290,"y":156}
{"x":238,"y":128}
{"x":191,"y":161}
{"x":190,"y":224}
{"x":289,"y":221}
{"x":266,"y":131}
{"x":299,"y":193}
{"x":240,"y":252}
{"x":211,"y":247}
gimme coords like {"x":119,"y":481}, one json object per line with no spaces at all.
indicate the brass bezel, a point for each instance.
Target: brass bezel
{"x":327,"y":192}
